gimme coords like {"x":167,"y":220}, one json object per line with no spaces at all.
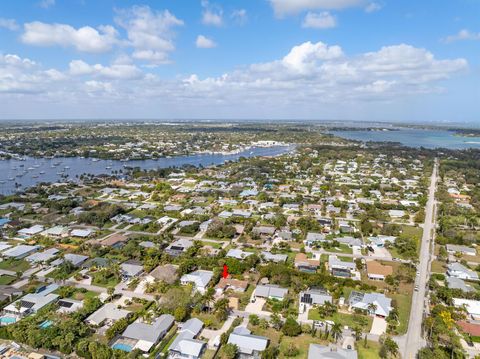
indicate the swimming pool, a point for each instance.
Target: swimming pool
{"x":122,"y":346}
{"x":45,"y":324}
{"x":7,"y":320}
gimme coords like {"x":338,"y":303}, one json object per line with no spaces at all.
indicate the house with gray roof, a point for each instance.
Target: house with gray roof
{"x":144,"y":336}
{"x":458,"y":270}
{"x":238,"y":254}
{"x":185,"y":345}
{"x":373,"y":303}
{"x":316,"y":351}
{"x":249,"y":346}
{"x":340,"y":268}
{"x":107,"y":313}
{"x":454,"y":248}
{"x":315,"y":296}
{"x":270,"y":291}
{"x":40,"y":257}
{"x":277,"y":258}
{"x":179,"y":246}
{"x":31,"y":303}
{"x":199,"y":278}
{"x":131,"y":269}
{"x":20,"y":251}
{"x":457,"y":283}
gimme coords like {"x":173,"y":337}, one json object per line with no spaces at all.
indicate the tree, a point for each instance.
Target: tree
{"x":222,"y":309}
{"x":291,"y":328}
{"x":229,"y":351}
{"x":291,"y":350}
{"x":270,"y":353}
{"x":357,"y":333}
{"x":276,"y":321}
{"x":371,"y":308}
{"x":253,"y":319}
{"x":336,"y":331}
{"x":110,"y":291}
{"x":180,"y":314}
{"x":390,"y":347}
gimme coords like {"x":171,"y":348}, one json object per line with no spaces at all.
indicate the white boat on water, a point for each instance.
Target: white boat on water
{"x":2,"y":182}
{"x":11,"y":179}
{"x":30,"y":168}
{"x":42,"y":172}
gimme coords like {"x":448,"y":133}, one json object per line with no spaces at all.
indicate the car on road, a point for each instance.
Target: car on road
{"x":416,"y":288}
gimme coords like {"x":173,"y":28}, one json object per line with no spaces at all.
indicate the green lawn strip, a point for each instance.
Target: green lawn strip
{"x":6,"y":279}
{"x":404,"y":304}
{"x":15,"y":265}
{"x":369,"y":352}
{"x":341,"y":318}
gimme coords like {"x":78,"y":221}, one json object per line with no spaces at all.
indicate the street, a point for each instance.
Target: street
{"x":413,"y":340}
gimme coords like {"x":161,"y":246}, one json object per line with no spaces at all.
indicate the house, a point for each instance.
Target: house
{"x":131,"y":269}
{"x":374,"y":303}
{"x":472,"y":329}
{"x":396,"y":213}
{"x":339,"y":268}
{"x":236,"y":285}
{"x":457,"y":283}
{"x":98,"y":262}
{"x":277,"y":258}
{"x":57,"y":231}
{"x":31,"y":303}
{"x":178,"y":247}
{"x":3,"y":222}
{"x":316,"y":351}
{"x":185,"y":345}
{"x":249,"y":346}
{"x":116,"y":240}
{"x":270,"y":291}
{"x":345,"y":227}
{"x":75,"y":259}
{"x":31,"y":231}
{"x":20,"y":251}
{"x":69,"y":305}
{"x":199,"y":278}
{"x":315,"y":296}
{"x":42,"y":257}
{"x":305,"y":264}
{"x":144,"y":336}
{"x":8,"y":292}
{"x":166,"y":273}
{"x":378,"y":271}
{"x":349,"y":241}
{"x":108,"y":313}
{"x":458,"y":270}
{"x":238,"y":254}
{"x":81,"y":233}
{"x":263,"y":230}
{"x":313,"y":238}
{"x":468,"y":251}
{"x":380,"y":241}
{"x":471,"y":306}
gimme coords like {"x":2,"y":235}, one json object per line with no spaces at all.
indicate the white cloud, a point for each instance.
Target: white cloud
{"x":119,"y":70}
{"x":309,"y":80}
{"x":289,"y":7}
{"x":46,"y":3}
{"x":323,"y":20}
{"x":211,"y":15}
{"x":203,"y":42}
{"x":85,"y":39}
{"x":149,"y":32}
{"x":462,"y":35}
{"x":373,"y":7}
{"x":239,"y":16}
{"x":9,"y":24}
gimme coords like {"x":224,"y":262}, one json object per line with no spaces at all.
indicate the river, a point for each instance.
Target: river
{"x":31,"y":171}
{"x":413,"y":138}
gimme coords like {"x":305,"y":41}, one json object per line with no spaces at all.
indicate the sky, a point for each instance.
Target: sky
{"x":355,"y":60}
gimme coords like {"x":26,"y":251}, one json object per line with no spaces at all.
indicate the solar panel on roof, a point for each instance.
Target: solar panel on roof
{"x":26,"y":304}
{"x":65,"y":304}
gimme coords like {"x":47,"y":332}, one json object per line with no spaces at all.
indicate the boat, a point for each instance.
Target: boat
{"x":21,"y":165}
{"x":2,"y":182}
{"x":66,"y":167}
{"x":108,"y":168}
{"x":42,"y":172}
{"x":20,"y":175}
{"x":11,"y":179}
{"x":94,"y":159}
{"x":35,"y":176}
{"x":30,"y":168}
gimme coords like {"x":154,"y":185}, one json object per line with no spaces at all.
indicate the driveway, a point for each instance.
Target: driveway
{"x":379,"y":326}
{"x":213,"y":336}
{"x":256,"y":307}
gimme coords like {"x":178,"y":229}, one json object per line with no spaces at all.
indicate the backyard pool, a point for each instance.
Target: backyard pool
{"x":7,"y":320}
{"x":45,"y":324}
{"x":122,"y":346}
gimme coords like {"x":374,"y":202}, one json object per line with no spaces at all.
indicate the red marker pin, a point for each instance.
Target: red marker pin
{"x":225,"y":271}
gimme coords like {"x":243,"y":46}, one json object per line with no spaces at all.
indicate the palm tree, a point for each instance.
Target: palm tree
{"x":357,"y":333}
{"x":336,"y":331}
{"x":372,"y":308}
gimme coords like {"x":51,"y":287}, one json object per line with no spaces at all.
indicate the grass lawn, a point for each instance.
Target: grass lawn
{"x":209,"y":354}
{"x":211,"y":244}
{"x":15,"y":265}
{"x":370,"y":352}
{"x":342,"y":318}
{"x":404,"y":303}
{"x":112,"y":282}
{"x":81,"y":296}
{"x":210,"y":320}
{"x":438,"y":267}
{"x":302,"y":342}
{"x":6,"y":279}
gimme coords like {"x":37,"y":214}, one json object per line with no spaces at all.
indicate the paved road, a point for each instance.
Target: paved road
{"x":413,"y":340}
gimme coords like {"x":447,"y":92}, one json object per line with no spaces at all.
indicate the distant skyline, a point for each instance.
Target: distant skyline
{"x":357,"y":60}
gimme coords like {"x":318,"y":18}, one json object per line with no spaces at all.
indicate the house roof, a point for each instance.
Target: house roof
{"x":470,"y":328}
{"x":149,"y":332}
{"x":316,"y":351}
{"x":114,"y":239}
{"x":230,"y":282}
{"x":167,"y":273}
{"x":270,"y":290}
{"x":246,"y":342}
{"x":108,"y":311}
{"x":201,"y":278}
{"x":184,"y":342}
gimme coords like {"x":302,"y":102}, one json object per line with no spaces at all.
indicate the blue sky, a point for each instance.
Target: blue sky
{"x":381,"y":60}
